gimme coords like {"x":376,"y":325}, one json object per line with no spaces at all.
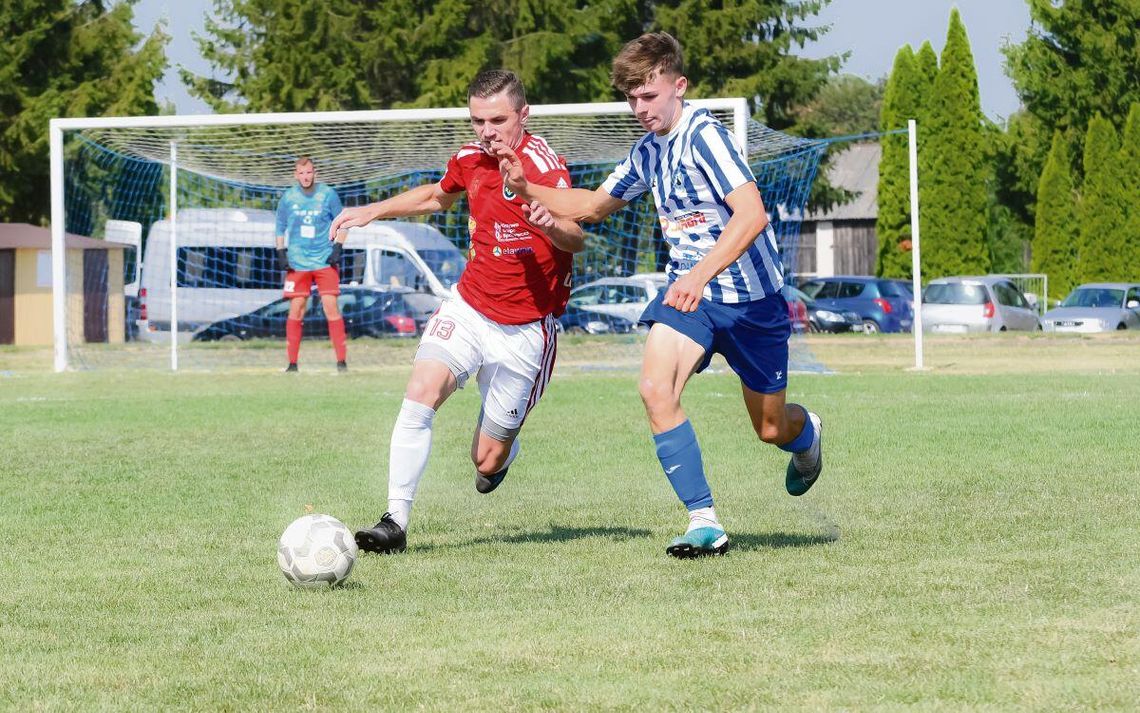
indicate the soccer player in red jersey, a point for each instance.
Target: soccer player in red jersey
{"x":499,"y":322}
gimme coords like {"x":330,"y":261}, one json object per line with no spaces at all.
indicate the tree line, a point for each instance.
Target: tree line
{"x":1056,"y":189}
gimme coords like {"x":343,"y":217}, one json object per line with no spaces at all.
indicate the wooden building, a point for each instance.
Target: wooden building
{"x":842,"y":240}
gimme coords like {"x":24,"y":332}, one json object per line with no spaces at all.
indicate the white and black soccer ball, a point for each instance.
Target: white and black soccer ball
{"x":316,"y":551}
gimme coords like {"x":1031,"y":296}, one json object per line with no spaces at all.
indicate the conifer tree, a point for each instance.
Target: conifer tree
{"x":955,"y":198}
{"x":1054,"y":237}
{"x":1101,"y":247}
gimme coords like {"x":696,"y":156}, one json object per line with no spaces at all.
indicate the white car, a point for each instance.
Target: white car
{"x":991,"y":303}
{"x":624,"y":297}
{"x":1097,"y":307}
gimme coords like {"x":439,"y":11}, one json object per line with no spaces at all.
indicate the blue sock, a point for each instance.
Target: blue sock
{"x":680,"y":457}
{"x":802,"y":442}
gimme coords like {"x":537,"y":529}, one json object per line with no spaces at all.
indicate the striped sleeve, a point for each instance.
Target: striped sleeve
{"x":624,"y":183}
{"x":719,"y":157}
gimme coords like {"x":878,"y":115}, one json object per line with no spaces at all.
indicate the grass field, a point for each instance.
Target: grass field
{"x":973,"y":542}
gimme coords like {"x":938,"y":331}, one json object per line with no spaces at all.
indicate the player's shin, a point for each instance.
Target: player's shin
{"x":292,"y":339}
{"x":408,"y":457}
{"x":336,"y":336}
{"x":680,"y":457}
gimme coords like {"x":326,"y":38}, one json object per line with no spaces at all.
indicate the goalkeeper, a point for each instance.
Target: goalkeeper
{"x":725,"y":278}
{"x":498,"y":325}
{"x":303,"y":216}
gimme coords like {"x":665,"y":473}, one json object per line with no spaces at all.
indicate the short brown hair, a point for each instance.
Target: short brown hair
{"x":302,"y":160}
{"x":646,"y":57}
{"x":492,"y":81}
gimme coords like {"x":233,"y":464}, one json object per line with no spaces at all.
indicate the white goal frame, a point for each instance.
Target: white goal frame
{"x":738,"y":106}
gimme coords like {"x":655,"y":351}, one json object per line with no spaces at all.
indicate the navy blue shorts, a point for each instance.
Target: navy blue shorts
{"x":751,"y":336}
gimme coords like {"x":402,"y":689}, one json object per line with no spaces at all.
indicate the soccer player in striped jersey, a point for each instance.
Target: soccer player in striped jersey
{"x":725,"y":278}
{"x":499,"y":322}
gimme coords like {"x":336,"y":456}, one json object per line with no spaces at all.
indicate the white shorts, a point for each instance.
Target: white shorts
{"x":513,"y":361}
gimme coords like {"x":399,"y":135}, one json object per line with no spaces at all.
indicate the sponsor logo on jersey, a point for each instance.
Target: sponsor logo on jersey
{"x":562,"y":183}
{"x":511,"y":232}
{"x":471,"y":225}
{"x":499,"y":251}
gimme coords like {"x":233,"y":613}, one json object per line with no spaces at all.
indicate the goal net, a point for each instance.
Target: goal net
{"x":186,"y":207}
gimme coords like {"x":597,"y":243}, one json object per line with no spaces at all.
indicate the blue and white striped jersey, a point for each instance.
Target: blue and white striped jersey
{"x":690,"y":172}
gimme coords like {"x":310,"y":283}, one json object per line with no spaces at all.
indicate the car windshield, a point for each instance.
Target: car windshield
{"x":1094,"y":297}
{"x":446,"y":264}
{"x":955,"y":293}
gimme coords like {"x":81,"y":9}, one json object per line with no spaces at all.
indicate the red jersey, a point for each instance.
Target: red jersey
{"x":514,"y":274}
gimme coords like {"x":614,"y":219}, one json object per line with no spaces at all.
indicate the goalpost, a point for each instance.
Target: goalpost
{"x":198,"y":193}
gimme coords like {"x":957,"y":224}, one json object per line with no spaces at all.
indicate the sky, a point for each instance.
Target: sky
{"x":872,"y":30}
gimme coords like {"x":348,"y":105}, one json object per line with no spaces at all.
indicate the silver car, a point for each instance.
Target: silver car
{"x":958,"y":305}
{"x":625,"y":297}
{"x":1097,"y":307}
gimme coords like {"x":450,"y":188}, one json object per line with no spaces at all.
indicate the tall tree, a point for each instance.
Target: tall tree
{"x":955,"y":201}
{"x":1102,"y":243}
{"x":1130,"y":184}
{"x":902,"y":99}
{"x":1054,"y":238}
{"x":62,"y":58}
{"x":926,"y":62}
{"x":1079,"y":59}
{"x":846,"y":105}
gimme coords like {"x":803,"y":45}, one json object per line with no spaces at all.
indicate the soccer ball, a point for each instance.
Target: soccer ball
{"x":316,"y":551}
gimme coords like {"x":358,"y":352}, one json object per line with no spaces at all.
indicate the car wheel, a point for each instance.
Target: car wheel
{"x":576,"y":330}
{"x":229,"y":338}
{"x":1002,"y":328}
{"x":870,"y":326}
{"x":1121,"y":327}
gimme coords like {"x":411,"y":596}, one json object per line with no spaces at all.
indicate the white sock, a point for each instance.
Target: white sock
{"x":703,"y":517}
{"x":510,"y":456}
{"x":408,"y":457}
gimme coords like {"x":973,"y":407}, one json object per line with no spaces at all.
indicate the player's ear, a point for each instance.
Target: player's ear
{"x":524,"y":114}
{"x":682,"y":84}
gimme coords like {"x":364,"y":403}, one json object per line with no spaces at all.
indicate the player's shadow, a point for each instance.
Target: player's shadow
{"x":555,"y":533}
{"x":778,"y":540}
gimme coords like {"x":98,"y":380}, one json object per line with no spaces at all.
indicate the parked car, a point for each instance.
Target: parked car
{"x":624,"y":297}
{"x":821,"y":319}
{"x":797,"y":309}
{"x":579,"y":321}
{"x":883,"y":305}
{"x":1096,"y":307}
{"x":976,"y":304}
{"x":367,"y":313}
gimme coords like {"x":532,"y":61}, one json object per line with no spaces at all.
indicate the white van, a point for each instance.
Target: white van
{"x":226,"y":265}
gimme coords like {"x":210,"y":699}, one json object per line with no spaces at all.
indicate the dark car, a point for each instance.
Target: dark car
{"x":366,"y":312}
{"x":884,"y":305}
{"x":821,"y":319}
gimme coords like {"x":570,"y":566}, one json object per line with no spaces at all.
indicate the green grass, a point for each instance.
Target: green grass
{"x":972,"y":544}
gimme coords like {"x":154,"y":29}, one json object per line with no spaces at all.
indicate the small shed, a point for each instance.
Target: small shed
{"x":842,"y":240}
{"x":95,"y":301}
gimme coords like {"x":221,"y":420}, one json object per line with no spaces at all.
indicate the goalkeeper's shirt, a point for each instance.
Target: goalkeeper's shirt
{"x":304,"y":219}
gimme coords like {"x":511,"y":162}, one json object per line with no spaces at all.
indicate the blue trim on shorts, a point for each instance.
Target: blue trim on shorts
{"x":751,"y":336}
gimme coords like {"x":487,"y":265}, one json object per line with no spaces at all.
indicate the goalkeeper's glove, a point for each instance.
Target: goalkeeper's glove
{"x":334,"y":256}
{"x":283,"y":259}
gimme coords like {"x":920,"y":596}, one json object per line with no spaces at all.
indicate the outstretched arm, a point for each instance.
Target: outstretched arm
{"x":428,"y":198}
{"x":576,"y":205}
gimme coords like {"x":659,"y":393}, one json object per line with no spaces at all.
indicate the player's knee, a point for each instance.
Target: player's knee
{"x":656,"y":395}
{"x":423,"y":391}
{"x":490,"y":460}
{"x":770,"y":432}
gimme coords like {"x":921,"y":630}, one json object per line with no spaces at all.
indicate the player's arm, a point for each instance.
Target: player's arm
{"x":748,"y":219}
{"x":565,"y":234}
{"x":576,"y":205}
{"x":422,"y":200}
{"x":282,"y":226}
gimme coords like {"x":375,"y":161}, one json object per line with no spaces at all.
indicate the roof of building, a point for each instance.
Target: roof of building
{"x":855,"y":169}
{"x":23,"y":235}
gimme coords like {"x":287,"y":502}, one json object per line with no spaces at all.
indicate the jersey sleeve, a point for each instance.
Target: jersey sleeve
{"x":283,"y":213}
{"x":557,"y":177}
{"x":335,"y":206}
{"x":453,"y":180}
{"x":720,"y":159}
{"x":624,"y":183}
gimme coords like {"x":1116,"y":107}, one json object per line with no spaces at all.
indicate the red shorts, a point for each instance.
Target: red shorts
{"x":299,"y":283}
